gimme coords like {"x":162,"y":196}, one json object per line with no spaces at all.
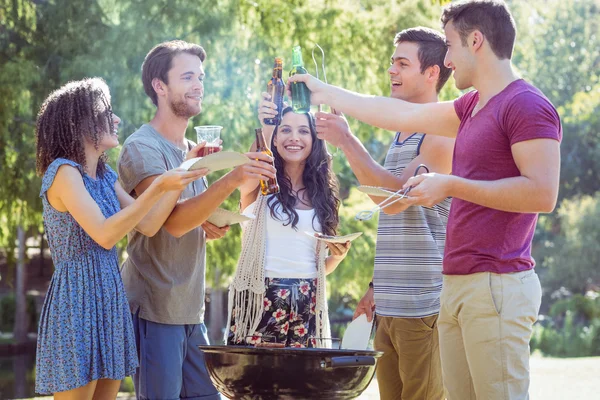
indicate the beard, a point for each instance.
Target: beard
{"x":181,"y":109}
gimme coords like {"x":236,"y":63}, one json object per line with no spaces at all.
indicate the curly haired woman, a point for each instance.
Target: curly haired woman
{"x":86,"y":344}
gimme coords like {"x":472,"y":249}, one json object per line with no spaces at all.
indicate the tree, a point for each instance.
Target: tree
{"x":45,"y":44}
{"x":558,"y":51}
{"x":19,"y":206}
{"x":574,"y":257}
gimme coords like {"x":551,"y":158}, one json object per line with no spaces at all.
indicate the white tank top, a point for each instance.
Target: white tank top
{"x":290,"y":252}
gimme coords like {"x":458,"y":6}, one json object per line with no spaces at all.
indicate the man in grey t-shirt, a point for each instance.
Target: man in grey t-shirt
{"x":164,"y":274}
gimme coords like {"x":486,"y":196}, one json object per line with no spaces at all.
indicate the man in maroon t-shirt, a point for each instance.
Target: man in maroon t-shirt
{"x":505,"y":171}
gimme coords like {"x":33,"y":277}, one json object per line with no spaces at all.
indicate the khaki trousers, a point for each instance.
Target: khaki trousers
{"x":410,"y":368}
{"x":485,"y":325}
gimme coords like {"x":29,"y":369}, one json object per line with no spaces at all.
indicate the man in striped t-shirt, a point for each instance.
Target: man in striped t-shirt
{"x":407,"y":279}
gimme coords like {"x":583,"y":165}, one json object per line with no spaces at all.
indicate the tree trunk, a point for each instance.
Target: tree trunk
{"x":21,"y":317}
{"x":20,"y":374}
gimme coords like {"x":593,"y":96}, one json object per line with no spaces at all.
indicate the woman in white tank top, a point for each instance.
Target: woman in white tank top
{"x":292,"y":310}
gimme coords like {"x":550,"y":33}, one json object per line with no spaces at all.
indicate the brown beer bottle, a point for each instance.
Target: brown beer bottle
{"x":269,"y":186}
{"x":276,"y":88}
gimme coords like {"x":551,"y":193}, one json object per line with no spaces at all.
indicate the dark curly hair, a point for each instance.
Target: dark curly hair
{"x":77,"y":110}
{"x":319,"y":181}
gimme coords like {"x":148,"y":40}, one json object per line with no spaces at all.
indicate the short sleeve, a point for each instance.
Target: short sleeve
{"x":531,"y":116}
{"x":464,"y":104}
{"x":137,"y":162}
{"x":50,"y":174}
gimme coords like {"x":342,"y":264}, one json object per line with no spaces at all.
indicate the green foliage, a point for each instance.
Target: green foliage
{"x":581,"y":144}
{"x":356,"y":57}
{"x":568,"y":341}
{"x":45,"y":44}
{"x":127,"y":385}
{"x":557,"y":46}
{"x":558,"y":51}
{"x":573,"y":329}
{"x":571,"y":258}
{"x":109,"y":38}
{"x":18,"y":76}
{"x":352,"y":276}
{"x":582,"y":308}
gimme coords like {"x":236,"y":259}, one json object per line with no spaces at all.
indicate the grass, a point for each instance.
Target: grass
{"x":551,"y":379}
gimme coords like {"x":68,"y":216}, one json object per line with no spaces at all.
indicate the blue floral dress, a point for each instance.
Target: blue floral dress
{"x":85,"y":330}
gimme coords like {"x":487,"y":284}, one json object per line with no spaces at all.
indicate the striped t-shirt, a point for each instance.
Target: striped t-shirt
{"x":410,"y":248}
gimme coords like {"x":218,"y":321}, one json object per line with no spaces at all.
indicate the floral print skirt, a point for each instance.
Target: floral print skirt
{"x":289,"y":314}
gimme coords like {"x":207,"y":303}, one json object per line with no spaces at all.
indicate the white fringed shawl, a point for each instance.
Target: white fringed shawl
{"x":247,"y":291}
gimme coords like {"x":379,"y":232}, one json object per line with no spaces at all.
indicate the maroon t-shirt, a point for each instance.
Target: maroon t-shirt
{"x":481,"y":238}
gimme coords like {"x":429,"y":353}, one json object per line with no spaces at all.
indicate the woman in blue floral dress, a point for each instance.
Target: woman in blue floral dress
{"x":86,"y":344}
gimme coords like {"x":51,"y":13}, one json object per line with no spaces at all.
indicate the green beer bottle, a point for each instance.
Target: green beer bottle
{"x":300,"y":93}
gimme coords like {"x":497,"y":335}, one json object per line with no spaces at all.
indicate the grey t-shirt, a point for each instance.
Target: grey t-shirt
{"x":164,"y":275}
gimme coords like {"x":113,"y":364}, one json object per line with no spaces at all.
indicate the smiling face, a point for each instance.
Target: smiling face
{"x":294,"y":140}
{"x":185,"y":90}
{"x":106,"y":122}
{"x":406,"y":80}
{"x":110,"y":138}
{"x":459,"y":57}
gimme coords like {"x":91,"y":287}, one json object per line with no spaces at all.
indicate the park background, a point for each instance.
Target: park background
{"x":45,"y":43}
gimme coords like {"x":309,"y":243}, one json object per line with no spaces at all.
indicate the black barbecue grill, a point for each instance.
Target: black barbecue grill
{"x":248,"y":372}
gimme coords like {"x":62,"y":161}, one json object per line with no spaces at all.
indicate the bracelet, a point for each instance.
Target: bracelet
{"x":371,"y":284}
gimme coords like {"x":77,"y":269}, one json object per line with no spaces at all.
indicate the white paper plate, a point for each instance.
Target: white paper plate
{"x":380,"y":192}
{"x":357,"y":334}
{"x":221,"y":217}
{"x":334,"y":239}
{"x":216,"y":161}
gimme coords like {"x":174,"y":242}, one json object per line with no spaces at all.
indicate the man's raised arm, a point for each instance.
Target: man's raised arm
{"x":384,"y":112}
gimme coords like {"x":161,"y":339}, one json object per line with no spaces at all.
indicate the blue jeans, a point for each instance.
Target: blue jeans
{"x":171,"y":364}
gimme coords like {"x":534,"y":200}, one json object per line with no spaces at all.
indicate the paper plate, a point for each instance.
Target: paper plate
{"x":334,"y":239}
{"x":221,"y":217}
{"x":357,"y":334}
{"x":216,"y":161}
{"x":380,"y":192}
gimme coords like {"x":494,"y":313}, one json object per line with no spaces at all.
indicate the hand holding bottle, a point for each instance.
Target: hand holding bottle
{"x":300,"y":94}
{"x":266,"y":109}
{"x":276,"y":91}
{"x":319,"y":91}
{"x":259,"y":168}
{"x":267,"y":186}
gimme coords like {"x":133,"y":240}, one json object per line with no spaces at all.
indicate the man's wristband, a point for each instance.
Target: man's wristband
{"x":371,"y":285}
